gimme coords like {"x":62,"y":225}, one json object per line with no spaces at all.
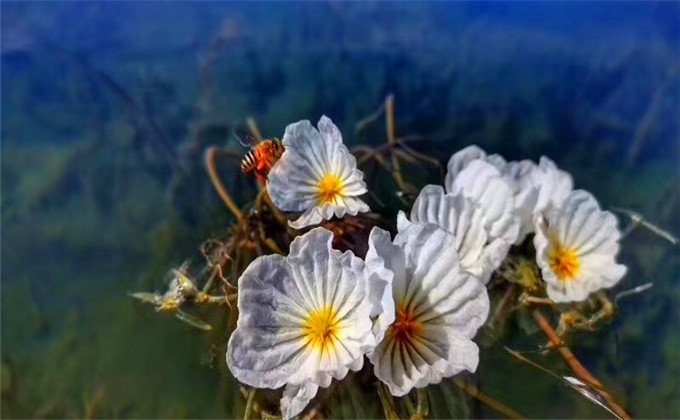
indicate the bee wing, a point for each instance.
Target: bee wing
{"x":244,"y":138}
{"x":193,"y":321}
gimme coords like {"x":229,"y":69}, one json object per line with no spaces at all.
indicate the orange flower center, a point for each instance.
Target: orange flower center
{"x":405,"y":326}
{"x":564,"y":262}
{"x":330,"y":189}
{"x":321,"y":328}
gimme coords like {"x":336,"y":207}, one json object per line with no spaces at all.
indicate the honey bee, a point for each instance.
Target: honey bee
{"x":261,"y":157}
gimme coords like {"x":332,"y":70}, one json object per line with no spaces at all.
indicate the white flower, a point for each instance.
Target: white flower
{"x":535,"y":187}
{"x":303,"y":320}
{"x":437,"y":306}
{"x":477,"y":208}
{"x":316,"y":175}
{"x":576,"y":246}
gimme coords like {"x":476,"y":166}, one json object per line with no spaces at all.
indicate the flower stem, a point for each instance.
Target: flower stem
{"x":210,"y":156}
{"x":249,"y":404}
{"x":575,"y":365}
{"x":387,"y":402}
{"x":423,"y":408}
{"x":391,"y":139}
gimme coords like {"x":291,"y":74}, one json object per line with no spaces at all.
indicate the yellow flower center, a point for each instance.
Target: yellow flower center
{"x":563,"y":261}
{"x":321,"y":329}
{"x":330,"y":188}
{"x":405,"y":326}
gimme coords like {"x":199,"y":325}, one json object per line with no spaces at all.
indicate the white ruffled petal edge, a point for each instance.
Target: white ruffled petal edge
{"x":380,"y":278}
{"x":315,"y":215}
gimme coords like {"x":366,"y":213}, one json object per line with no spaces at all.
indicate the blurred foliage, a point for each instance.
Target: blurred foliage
{"x":107,"y":109}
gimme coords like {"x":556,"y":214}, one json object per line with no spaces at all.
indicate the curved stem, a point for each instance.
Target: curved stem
{"x":575,"y":365}
{"x":494,"y":404}
{"x":387,"y":402}
{"x":210,"y":156}
{"x":249,"y":404}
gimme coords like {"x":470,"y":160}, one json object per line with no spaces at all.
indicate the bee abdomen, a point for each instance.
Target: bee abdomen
{"x":248,"y":162}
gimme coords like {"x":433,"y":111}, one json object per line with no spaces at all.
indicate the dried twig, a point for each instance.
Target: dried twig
{"x":575,"y":365}
{"x":210,"y":156}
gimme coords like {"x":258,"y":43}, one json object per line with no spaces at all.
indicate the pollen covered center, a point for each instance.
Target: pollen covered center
{"x":405,"y":326}
{"x":321,"y":328}
{"x":563,"y":261}
{"x":330,"y":189}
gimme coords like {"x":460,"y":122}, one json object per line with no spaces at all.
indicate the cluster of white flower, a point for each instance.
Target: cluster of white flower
{"x":415,"y":303}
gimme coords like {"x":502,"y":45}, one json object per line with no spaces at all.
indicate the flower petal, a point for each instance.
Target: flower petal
{"x":459,"y":161}
{"x":382,"y":259}
{"x":459,"y":216}
{"x":483,"y":184}
{"x":555,"y":185}
{"x":296,"y":397}
{"x":315,"y":215}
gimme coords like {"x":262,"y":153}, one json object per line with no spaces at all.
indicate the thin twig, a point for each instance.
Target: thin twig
{"x":389,"y":114}
{"x":387,"y":402}
{"x":210,"y":156}
{"x":575,"y":365}
{"x":361,"y":125}
{"x":423,"y":407}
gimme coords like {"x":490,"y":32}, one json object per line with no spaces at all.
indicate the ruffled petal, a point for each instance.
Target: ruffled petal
{"x":296,"y":397}
{"x":525,"y":179}
{"x":268,"y":344}
{"x":382,"y":258}
{"x":315,"y":215}
{"x":555,"y":185}
{"x":459,"y":161}
{"x":458,"y":215}
{"x":483,"y":184}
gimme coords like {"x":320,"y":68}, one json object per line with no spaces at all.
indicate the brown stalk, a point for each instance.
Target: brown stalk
{"x":576,"y":366}
{"x":391,"y":139}
{"x":210,"y":156}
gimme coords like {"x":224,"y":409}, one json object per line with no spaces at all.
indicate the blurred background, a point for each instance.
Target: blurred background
{"x":107,"y":109}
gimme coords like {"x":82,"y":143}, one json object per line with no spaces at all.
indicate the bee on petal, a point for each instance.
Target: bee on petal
{"x":316,"y":175}
{"x":261,"y":157}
